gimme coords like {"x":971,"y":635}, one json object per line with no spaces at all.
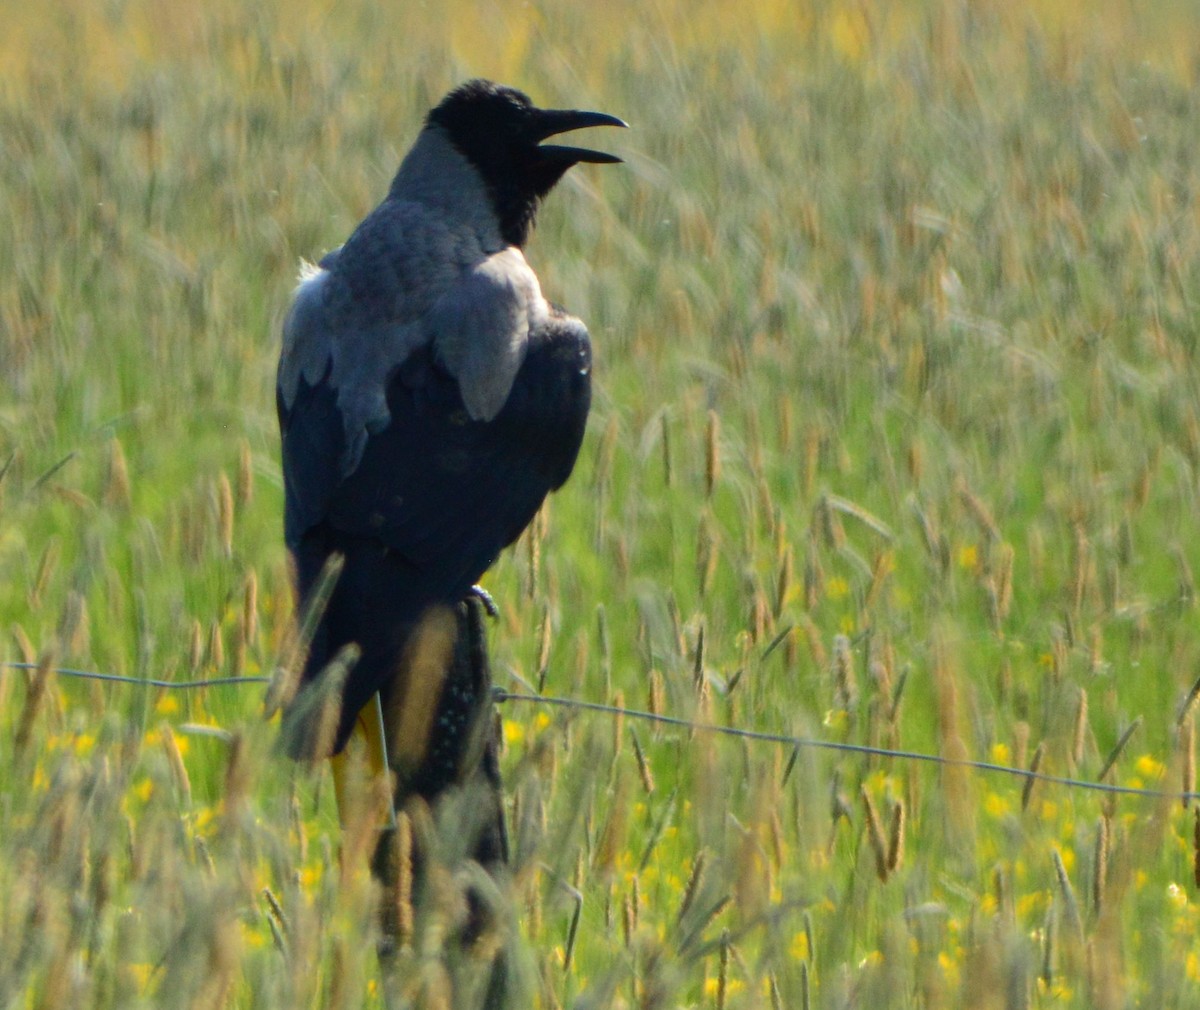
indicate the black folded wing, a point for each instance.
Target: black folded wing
{"x":434,"y":498}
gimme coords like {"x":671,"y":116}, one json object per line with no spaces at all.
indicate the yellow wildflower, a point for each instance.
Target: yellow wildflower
{"x":837,"y":588}
{"x":949,"y":967}
{"x":996,"y":805}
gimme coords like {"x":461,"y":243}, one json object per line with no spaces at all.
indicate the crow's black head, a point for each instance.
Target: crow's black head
{"x":500,"y":130}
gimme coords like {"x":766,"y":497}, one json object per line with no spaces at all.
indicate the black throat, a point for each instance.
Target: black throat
{"x":516,"y":201}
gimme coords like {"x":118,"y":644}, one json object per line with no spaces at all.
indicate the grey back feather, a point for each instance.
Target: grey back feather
{"x":426,"y":268}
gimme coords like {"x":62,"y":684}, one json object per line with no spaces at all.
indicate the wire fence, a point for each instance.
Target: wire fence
{"x":797,"y":743}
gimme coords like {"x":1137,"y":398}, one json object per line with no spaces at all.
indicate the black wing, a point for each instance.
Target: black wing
{"x":434,"y":499}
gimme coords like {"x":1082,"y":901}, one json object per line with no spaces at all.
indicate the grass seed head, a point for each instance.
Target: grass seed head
{"x":224,"y":496}
{"x":723,"y":970}
{"x":895,"y":851}
{"x":216,"y":647}
{"x":1187,"y":751}
{"x":74,"y":627}
{"x":712,"y":453}
{"x":47,"y":565}
{"x":245,"y":474}
{"x":195,"y":647}
{"x":845,"y":684}
{"x":1079,"y":734}
{"x":116,"y":489}
{"x":175,"y":762}
{"x":250,"y":607}
{"x":1100,"y":864}
{"x":665,"y":446}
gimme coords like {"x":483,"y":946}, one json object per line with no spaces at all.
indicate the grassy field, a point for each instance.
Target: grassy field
{"x":896,"y":441}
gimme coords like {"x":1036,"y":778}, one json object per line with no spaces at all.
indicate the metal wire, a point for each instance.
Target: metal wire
{"x":761,"y":736}
{"x":851,"y":748}
{"x":116,"y":678}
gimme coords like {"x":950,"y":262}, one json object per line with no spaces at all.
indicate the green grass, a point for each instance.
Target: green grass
{"x":894,"y":322}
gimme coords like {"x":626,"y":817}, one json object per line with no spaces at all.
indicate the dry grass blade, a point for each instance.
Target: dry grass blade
{"x":1196,"y":848}
{"x":879,"y":845}
{"x":286,"y":683}
{"x":1185,"y":707}
{"x":776,"y":642}
{"x":276,"y":919}
{"x":665,"y":441}
{"x":657,"y":833}
{"x":236,"y":783}
{"x":690,"y":889}
{"x":1187,"y":762}
{"x":935,"y":543}
{"x":1034,"y":765}
{"x":691,"y":938}
{"x":573,"y":926}
{"x":773,"y":992}
{"x":1070,"y":904}
{"x":35,"y":692}
{"x":845,"y":684}
{"x":856,"y":511}
{"x":723,"y":971}
{"x":644,"y":771}
{"x":47,"y":474}
{"x":1049,"y":946}
{"x":898,"y":696}
{"x":175,"y":761}
{"x":790,"y":766}
{"x":979,"y":511}
{"x":311,"y":724}
{"x":1118,"y":749}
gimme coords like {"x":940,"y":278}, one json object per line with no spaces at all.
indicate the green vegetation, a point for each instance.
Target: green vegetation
{"x":896,"y":348}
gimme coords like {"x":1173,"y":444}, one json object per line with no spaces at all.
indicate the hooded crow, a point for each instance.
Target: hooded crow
{"x":429,"y":399}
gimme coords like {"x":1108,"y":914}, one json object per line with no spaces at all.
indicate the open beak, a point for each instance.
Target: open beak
{"x":551,"y":122}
